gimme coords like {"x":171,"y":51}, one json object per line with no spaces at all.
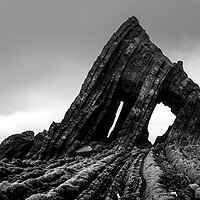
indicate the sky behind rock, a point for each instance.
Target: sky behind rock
{"x":48,"y":46}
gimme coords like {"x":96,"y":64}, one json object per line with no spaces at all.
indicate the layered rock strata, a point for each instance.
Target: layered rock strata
{"x":79,"y":159}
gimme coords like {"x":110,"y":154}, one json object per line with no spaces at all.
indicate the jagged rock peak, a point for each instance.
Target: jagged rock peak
{"x":80,"y":159}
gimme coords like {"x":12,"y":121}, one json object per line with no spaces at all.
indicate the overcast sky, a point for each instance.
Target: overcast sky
{"x":48,"y":46}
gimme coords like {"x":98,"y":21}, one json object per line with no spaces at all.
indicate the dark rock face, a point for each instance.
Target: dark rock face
{"x":38,"y":140}
{"x":76,"y":159}
{"x":17,"y":145}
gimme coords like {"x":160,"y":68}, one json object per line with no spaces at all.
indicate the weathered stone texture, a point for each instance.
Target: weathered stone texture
{"x":76,"y":159}
{"x":17,"y":145}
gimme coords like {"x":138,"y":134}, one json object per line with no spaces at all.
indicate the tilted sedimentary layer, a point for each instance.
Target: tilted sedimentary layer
{"x":78,"y":159}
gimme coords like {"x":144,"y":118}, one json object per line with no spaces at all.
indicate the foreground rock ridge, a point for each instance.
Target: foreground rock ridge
{"x":77,"y":159}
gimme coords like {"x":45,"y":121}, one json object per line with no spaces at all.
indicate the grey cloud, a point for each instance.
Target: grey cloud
{"x":39,"y":81}
{"x":47,"y":47}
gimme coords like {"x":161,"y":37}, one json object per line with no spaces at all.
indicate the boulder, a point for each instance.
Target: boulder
{"x":194,"y":186}
{"x":98,"y":148}
{"x":17,"y":145}
{"x":84,"y":151}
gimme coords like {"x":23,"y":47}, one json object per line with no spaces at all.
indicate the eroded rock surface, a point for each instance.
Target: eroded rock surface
{"x":77,"y":159}
{"x":17,"y":145}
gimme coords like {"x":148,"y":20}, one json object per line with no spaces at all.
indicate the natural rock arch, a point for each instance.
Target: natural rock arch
{"x":161,"y":119}
{"x":130,"y":69}
{"x":75,"y":159}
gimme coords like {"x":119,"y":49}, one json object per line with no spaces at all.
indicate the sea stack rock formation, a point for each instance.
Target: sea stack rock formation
{"x":79,"y":159}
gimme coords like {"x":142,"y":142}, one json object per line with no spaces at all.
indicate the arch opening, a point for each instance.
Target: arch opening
{"x":116,"y":118}
{"x":160,"y":120}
